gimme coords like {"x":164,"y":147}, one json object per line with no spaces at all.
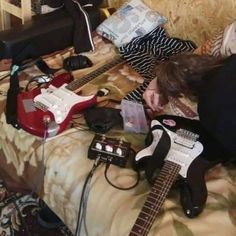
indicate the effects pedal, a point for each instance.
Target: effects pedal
{"x":110,"y":150}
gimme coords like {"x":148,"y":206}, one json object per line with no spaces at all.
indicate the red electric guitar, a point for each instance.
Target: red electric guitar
{"x":57,"y":103}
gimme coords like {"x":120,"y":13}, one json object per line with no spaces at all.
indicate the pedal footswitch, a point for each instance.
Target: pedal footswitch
{"x":110,"y":150}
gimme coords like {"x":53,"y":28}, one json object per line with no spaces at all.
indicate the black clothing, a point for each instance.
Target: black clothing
{"x":52,"y":3}
{"x":217,"y":104}
{"x":82,"y":40}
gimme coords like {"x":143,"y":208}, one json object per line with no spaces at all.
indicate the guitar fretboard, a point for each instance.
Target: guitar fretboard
{"x":155,"y":199}
{"x":74,"y":85}
{"x":177,"y":103}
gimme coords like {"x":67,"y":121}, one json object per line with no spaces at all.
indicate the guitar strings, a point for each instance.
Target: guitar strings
{"x":169,"y":181}
{"x":147,"y":226}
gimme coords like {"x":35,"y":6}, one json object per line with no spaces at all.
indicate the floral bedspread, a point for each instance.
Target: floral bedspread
{"x":110,"y":212}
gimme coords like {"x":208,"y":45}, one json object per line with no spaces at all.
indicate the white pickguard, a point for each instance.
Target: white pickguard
{"x":59,"y":101}
{"x":179,"y":154}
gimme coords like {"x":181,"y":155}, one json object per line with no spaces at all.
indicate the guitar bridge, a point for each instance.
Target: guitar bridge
{"x":186,"y":138}
{"x":40,"y":106}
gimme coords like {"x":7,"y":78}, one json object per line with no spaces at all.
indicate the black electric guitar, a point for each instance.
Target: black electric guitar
{"x":177,"y":147}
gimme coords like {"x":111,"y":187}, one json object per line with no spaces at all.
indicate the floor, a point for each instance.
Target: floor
{"x":19,"y":215}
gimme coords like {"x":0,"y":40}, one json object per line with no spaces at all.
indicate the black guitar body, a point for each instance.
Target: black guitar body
{"x":213,"y":150}
{"x":193,"y":191}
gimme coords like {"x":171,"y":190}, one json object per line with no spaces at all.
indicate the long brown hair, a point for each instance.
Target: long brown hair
{"x":182,"y":74}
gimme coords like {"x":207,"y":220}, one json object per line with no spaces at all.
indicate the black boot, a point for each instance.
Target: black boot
{"x":47,"y":218}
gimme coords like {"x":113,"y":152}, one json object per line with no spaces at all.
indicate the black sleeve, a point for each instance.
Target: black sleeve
{"x":217,"y":104}
{"x":53,"y":3}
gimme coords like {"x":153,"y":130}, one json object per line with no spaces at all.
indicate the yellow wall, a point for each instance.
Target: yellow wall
{"x":192,"y":19}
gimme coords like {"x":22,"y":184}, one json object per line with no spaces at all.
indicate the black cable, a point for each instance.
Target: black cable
{"x":39,"y":80}
{"x":115,"y":186}
{"x":88,"y":178}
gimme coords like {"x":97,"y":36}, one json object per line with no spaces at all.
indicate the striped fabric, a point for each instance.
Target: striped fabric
{"x":212,"y":46}
{"x":142,"y":54}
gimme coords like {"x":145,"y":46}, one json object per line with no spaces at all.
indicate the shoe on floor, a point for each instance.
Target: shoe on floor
{"x":48,"y":219}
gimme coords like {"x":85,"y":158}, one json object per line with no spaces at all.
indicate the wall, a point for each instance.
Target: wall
{"x":196,"y":20}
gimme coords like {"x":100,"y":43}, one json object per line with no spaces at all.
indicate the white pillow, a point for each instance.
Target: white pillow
{"x":132,"y":19}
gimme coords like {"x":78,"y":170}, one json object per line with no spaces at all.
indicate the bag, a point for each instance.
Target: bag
{"x":76,"y":62}
{"x":102,"y":119}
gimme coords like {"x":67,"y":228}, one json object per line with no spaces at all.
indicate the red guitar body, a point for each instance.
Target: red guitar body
{"x":32,"y":119}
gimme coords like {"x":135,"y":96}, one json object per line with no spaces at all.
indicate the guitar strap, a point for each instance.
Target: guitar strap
{"x":159,"y":154}
{"x":14,"y":88}
{"x":11,"y":116}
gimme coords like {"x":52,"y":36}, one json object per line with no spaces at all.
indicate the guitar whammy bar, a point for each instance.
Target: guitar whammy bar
{"x":183,"y":151}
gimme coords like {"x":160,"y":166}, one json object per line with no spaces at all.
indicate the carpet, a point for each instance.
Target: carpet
{"x":19,"y":216}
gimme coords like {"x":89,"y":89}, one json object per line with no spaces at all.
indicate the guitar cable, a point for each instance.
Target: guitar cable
{"x":118,"y":187}
{"x":84,"y":198}
{"x":40,"y":80}
{"x":86,"y":189}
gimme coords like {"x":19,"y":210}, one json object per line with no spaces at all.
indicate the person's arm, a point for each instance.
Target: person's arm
{"x":152,"y":97}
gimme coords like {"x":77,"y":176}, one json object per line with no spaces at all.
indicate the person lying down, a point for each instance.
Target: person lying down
{"x":205,"y":79}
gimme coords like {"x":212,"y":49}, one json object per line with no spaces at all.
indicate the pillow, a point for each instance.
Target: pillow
{"x":132,"y":19}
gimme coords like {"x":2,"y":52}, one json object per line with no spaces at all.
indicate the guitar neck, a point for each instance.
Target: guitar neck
{"x":76,"y":84}
{"x":155,"y":199}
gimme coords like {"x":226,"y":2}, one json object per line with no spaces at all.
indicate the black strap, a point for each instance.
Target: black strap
{"x":157,"y":159}
{"x":11,"y":111}
{"x":42,"y":65}
{"x":11,"y":104}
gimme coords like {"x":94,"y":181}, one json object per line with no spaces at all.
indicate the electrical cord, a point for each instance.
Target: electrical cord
{"x":117,"y":187}
{"x":84,"y":197}
{"x":25,"y":65}
{"x":39,"y":79}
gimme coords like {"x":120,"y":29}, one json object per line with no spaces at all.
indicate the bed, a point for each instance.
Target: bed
{"x":110,"y":211}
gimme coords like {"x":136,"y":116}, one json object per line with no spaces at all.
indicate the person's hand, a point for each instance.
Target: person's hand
{"x":152,"y":97}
